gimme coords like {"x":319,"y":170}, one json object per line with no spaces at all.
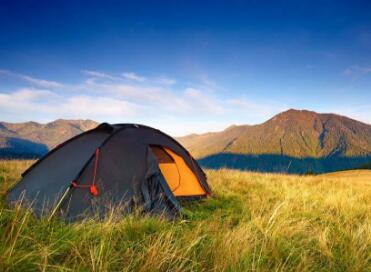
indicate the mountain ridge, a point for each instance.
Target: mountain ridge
{"x":295,"y":141}
{"x":32,"y":139}
{"x":296,"y":133}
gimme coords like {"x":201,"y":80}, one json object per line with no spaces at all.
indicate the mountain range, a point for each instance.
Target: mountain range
{"x":294,"y":141}
{"x":297,"y":133}
{"x":31,"y":139}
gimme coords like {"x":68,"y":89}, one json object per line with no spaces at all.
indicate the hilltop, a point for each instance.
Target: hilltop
{"x":297,"y":133}
{"x":299,"y":139}
{"x":32,"y":139}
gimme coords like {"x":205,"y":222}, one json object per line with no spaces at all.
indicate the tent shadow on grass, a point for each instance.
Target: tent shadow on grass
{"x":276,"y":163}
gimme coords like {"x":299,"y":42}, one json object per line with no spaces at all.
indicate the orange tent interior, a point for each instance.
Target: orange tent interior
{"x":181,"y":179}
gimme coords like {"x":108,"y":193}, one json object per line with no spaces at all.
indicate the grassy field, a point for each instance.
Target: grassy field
{"x":254,"y":222}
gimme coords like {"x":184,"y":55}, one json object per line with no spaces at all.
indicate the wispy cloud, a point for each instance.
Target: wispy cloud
{"x":97,"y":74}
{"x":129,"y":76}
{"x":34,"y":81}
{"x":42,"y":82}
{"x":205,"y":102}
{"x":112,"y":98}
{"x":46,"y":105}
{"x":133,"y":76}
{"x":356,"y":71}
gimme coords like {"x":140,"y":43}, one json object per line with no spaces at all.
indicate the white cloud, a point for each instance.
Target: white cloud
{"x":32,"y":94}
{"x":158,"y":99}
{"x":111,"y":98}
{"x":204,"y":101}
{"x":25,"y":103}
{"x":133,"y":76}
{"x":100,"y":107}
{"x":34,"y":81}
{"x":97,"y":74}
{"x":115,"y":103}
{"x":33,"y":104}
{"x":42,"y":82}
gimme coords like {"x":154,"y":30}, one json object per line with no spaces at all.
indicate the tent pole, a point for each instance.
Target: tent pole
{"x":59,"y":202}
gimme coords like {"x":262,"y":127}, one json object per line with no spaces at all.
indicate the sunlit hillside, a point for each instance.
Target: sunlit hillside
{"x":294,"y":141}
{"x":254,"y":222}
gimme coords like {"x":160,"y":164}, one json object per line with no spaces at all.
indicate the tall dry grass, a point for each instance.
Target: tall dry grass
{"x":254,"y":222}
{"x":10,"y":172}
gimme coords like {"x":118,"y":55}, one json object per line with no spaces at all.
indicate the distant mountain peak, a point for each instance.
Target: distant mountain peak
{"x":34,"y":139}
{"x":294,"y":114}
{"x":231,"y":127}
{"x":297,"y":133}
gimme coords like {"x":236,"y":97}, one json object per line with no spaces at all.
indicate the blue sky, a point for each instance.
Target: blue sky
{"x":183,"y":66}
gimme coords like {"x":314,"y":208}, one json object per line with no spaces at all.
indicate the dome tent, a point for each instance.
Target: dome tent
{"x":123,"y":164}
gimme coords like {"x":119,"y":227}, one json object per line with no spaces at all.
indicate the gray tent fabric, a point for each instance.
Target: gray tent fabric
{"x":150,"y":136}
{"x":118,"y":160}
{"x":46,"y":182}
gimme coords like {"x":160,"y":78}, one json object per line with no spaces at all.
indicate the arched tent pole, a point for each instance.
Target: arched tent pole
{"x":73,"y":184}
{"x":60,"y":202}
